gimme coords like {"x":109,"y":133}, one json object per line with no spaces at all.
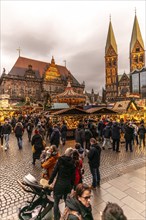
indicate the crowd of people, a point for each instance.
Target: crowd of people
{"x":65,"y":173}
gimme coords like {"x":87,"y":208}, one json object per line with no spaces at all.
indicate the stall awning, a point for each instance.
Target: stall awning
{"x":99,"y":111}
{"x":123,"y":106}
{"x":71,"y":111}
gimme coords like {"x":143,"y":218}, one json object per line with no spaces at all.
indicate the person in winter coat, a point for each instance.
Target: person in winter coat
{"x":63,"y":132}
{"x":100,"y":128}
{"x":94,"y":162}
{"x":13,"y":122}
{"x":6,"y":131}
{"x":51,"y":161}
{"x":55,"y":136}
{"x":80,"y":135}
{"x":107,"y":135}
{"x":115,"y":130}
{"x":1,"y":135}
{"x":80,"y":150}
{"x":29,"y":129}
{"x":129,"y":133}
{"x":37,"y":143}
{"x":78,"y":168}
{"x":78,"y":205}
{"x":49,"y":128}
{"x":135,"y":134}
{"x":88,"y":136}
{"x":41,"y":130}
{"x":64,"y":171}
{"x":19,"y":130}
{"x":141,"y":133}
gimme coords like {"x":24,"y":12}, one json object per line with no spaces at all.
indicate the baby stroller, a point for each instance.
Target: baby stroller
{"x":40,"y":206}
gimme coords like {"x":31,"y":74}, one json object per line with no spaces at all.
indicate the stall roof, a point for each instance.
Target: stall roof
{"x":60,"y":106}
{"x":101,"y":111}
{"x":123,"y":106}
{"x":71,"y":111}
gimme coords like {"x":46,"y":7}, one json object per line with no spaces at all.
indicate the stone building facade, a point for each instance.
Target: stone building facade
{"x":34,"y":79}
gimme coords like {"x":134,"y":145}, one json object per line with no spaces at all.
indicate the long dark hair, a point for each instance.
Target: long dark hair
{"x":75,"y":156}
{"x":113,"y":211}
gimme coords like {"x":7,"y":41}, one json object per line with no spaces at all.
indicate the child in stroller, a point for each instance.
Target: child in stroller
{"x":40,"y":207}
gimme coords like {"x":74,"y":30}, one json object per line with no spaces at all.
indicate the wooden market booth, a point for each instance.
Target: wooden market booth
{"x":71,"y":116}
{"x":129,"y":110}
{"x":98,"y":112}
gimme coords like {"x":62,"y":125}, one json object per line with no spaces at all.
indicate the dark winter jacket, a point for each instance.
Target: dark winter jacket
{"x":74,"y":205}
{"x":63,"y":131}
{"x":1,"y":127}
{"x":129,"y":133}
{"x":6,"y":129}
{"x":88,"y":134}
{"x":101,"y":126}
{"x":37,"y":141}
{"x":94,"y":156}
{"x":107,"y":132}
{"x":18,"y":130}
{"x":115,"y":131}
{"x":141,"y":132}
{"x":65,"y":172}
{"x":55,"y":137}
{"x":29,"y":127}
{"x":80,"y":135}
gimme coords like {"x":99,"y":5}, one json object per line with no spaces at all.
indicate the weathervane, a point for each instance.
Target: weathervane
{"x":135,"y":10}
{"x":110,"y":17}
{"x":19,"y":49}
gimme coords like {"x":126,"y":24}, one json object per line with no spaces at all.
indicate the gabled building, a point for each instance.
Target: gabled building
{"x":35,"y":79}
{"x":123,"y":85}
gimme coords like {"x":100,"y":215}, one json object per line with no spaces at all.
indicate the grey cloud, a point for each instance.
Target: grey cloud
{"x":87,"y":66}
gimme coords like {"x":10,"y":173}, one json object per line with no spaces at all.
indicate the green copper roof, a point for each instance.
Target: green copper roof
{"x":110,"y":39}
{"x":136,"y":35}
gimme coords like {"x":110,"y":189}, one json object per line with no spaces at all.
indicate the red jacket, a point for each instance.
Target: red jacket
{"x":78,"y":175}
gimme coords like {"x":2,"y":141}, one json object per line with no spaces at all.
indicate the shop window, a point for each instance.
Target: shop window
{"x":137,"y":49}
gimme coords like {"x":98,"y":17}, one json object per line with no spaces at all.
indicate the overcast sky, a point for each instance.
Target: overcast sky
{"x":74,"y":31}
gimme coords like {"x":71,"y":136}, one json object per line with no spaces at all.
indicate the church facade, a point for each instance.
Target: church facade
{"x":36,"y":79}
{"x":118,"y":86}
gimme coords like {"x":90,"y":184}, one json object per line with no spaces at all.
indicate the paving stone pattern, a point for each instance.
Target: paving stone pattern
{"x":15,"y":164}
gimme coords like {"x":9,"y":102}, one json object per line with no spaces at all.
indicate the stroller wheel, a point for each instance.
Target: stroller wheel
{"x":24,"y":214}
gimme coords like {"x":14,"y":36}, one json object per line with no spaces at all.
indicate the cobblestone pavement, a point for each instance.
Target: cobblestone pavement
{"x":15,"y":164}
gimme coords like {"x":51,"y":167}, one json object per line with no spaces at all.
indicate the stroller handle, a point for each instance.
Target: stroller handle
{"x":23,"y":186}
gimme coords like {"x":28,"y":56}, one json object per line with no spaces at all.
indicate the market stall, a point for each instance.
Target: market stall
{"x":129,"y":110}
{"x":6,"y":113}
{"x":71,"y":116}
{"x":98,"y":112}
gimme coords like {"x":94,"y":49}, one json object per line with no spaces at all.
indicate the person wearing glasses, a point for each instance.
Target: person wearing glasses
{"x":78,"y":205}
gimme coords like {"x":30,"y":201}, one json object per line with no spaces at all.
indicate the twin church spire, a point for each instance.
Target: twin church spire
{"x":137,"y":57}
{"x":110,"y":39}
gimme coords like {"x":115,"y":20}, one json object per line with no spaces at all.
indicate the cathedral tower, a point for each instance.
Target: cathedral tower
{"x":137,"y":56}
{"x":111,"y":65}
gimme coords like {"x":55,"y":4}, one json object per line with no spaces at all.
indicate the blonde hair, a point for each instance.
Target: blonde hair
{"x":68,"y":152}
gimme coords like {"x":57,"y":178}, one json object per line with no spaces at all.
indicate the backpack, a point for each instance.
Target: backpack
{"x":68,"y":212}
